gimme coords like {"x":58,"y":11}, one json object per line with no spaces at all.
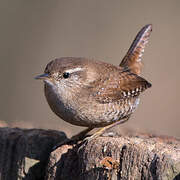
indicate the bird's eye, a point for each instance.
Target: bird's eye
{"x":65,"y":75}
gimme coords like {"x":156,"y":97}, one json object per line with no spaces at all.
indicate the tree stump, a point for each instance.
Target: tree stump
{"x":28,"y":154}
{"x":24,"y":153}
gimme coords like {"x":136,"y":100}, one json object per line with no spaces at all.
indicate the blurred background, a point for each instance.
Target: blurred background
{"x":34,"y":32}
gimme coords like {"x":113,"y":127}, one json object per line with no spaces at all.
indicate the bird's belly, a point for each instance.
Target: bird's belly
{"x":90,"y":113}
{"x":99,"y":115}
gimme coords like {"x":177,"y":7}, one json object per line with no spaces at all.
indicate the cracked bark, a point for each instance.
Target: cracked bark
{"x":27,"y":154}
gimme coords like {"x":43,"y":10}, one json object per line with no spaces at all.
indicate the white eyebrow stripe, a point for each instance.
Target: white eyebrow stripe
{"x":74,"y":70}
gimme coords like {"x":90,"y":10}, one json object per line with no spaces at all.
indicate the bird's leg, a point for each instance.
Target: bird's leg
{"x":81,"y":135}
{"x":74,"y":139}
{"x":102,"y":130}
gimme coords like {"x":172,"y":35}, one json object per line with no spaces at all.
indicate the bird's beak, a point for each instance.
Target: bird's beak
{"x":42,"y":76}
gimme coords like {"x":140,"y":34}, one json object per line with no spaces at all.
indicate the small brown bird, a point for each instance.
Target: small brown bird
{"x":91,"y":93}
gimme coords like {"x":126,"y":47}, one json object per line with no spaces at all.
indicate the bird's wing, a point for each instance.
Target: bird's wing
{"x":132,"y":59}
{"x":119,"y":86}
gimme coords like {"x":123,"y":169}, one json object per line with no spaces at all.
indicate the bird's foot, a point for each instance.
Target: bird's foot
{"x":74,"y":139}
{"x":88,"y":139}
{"x":100,"y":132}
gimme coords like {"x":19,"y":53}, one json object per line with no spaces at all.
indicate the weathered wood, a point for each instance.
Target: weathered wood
{"x":24,"y":153}
{"x":126,"y":157}
{"x":27,"y":154}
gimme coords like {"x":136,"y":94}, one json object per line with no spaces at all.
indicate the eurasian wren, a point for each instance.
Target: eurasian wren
{"x":92,"y":93}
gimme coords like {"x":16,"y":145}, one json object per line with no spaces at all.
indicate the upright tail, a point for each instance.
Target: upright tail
{"x":132,"y":59}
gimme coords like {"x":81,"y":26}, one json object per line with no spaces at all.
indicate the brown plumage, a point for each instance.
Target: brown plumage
{"x":93,"y":93}
{"x":132,"y":59}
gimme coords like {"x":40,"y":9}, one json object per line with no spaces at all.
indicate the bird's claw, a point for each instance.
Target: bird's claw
{"x":86,"y":141}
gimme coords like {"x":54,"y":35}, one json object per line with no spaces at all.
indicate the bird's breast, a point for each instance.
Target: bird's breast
{"x":85,"y":110}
